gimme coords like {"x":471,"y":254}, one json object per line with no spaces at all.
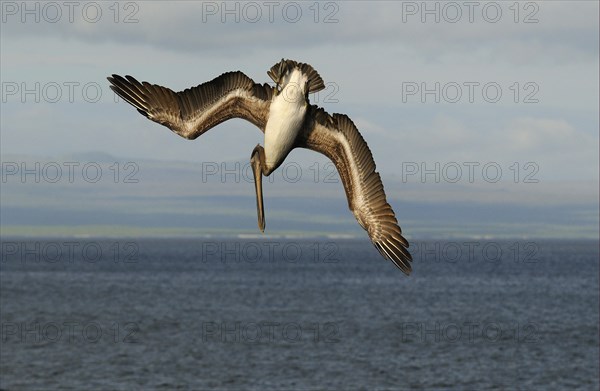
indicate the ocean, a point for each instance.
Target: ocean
{"x":296,"y":314}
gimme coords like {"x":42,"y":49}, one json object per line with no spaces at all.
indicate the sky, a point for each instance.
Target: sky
{"x":428,"y":82}
{"x":440,"y":90}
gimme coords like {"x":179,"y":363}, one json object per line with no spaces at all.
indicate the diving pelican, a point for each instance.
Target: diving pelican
{"x":288,"y":121}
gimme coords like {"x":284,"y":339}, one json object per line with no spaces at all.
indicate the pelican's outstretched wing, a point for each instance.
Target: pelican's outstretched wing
{"x":337,"y":138}
{"x":191,"y":112}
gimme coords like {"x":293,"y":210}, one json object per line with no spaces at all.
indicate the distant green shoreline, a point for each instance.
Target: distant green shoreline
{"x":106,"y":231}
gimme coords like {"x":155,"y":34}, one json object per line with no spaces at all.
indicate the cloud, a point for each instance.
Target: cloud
{"x":546,"y":134}
{"x":366,"y":56}
{"x":558,"y":148}
{"x":246,"y":27}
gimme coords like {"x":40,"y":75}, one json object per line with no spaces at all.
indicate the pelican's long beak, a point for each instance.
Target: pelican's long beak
{"x":255,"y":161}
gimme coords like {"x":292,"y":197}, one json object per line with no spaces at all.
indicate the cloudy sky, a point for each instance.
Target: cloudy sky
{"x":485,"y":84}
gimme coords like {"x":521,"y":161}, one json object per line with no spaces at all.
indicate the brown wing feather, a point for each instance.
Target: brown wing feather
{"x":338,"y":138}
{"x":193,"y":111}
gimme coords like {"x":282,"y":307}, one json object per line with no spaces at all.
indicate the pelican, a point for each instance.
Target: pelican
{"x":283,"y":113}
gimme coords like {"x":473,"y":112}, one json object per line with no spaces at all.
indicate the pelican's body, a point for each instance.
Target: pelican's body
{"x":286,"y":117}
{"x":288,"y":121}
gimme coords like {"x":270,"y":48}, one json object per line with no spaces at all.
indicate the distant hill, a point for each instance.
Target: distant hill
{"x":98,"y":194}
